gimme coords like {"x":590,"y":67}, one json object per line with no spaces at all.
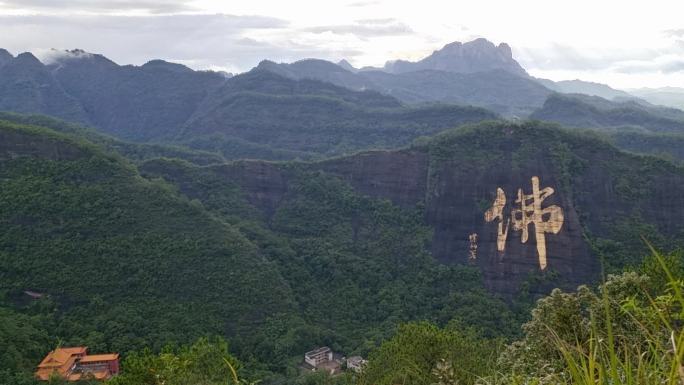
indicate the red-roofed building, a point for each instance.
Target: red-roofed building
{"x":75,"y":364}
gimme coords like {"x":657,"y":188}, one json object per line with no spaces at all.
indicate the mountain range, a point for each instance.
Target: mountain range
{"x":310,"y":108}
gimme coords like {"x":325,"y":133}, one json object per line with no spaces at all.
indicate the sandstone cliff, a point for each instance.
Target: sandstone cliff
{"x":604,"y":196}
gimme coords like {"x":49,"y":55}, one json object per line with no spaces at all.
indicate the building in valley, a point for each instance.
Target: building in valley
{"x":318,"y":356}
{"x":74,"y":364}
{"x":324,"y":359}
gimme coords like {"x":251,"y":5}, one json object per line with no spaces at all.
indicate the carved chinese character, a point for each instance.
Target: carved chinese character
{"x":496,"y":212}
{"x":472,"y":253}
{"x":530,"y":212}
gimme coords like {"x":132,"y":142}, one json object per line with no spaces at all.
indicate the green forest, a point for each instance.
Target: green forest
{"x":143,"y":250}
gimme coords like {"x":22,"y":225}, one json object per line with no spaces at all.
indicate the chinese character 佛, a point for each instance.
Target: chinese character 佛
{"x":528,"y":211}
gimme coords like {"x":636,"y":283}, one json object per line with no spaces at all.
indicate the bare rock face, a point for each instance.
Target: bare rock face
{"x":264,"y":184}
{"x":399,"y":176}
{"x":456,"y":195}
{"x":456,"y":209}
{"x":479,"y":55}
{"x":526,"y":203}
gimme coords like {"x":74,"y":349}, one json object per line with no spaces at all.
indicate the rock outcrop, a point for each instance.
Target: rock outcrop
{"x":479,"y":55}
{"x":599,"y":191}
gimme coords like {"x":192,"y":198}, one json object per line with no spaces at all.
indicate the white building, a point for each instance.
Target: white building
{"x":318,"y":356}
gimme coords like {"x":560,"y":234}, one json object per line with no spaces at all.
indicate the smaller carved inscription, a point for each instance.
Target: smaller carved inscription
{"x":472,"y":253}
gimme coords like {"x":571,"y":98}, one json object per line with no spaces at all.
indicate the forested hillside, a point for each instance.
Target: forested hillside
{"x":283,"y":257}
{"x":125,"y":262}
{"x":594,"y":112}
{"x":498,"y":90}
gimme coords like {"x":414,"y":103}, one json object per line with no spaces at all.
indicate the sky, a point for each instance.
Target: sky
{"x":626,"y":44}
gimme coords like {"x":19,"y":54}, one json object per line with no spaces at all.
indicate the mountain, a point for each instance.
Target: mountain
{"x":475,"y":73}
{"x":479,"y":55}
{"x":498,"y":90}
{"x":322,"y":70}
{"x":666,"y":96}
{"x":259,"y":114}
{"x":346,"y":65}
{"x":27,"y":86}
{"x":150,"y":102}
{"x":306,"y":118}
{"x":5,"y":57}
{"x":594,"y":112}
{"x":135,"y":152}
{"x":587,"y":88}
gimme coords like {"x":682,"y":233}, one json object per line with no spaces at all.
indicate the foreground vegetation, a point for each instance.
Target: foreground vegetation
{"x":626,"y":331}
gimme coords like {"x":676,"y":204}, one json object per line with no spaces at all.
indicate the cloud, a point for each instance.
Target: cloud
{"x":366,"y":28}
{"x":53,"y":55}
{"x":564,"y":57}
{"x":675,"y":32}
{"x":101,"y":6}
{"x":674,"y":66}
{"x":665,"y":59}
{"x":668,"y":64}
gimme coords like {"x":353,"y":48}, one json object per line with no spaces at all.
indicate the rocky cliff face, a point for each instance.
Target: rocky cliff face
{"x":479,"y":55}
{"x":456,"y":192}
{"x":588,"y":192}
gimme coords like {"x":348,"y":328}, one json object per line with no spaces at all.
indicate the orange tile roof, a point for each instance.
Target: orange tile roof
{"x":60,"y":356}
{"x":100,"y":357}
{"x":62,"y":361}
{"x":59,"y":361}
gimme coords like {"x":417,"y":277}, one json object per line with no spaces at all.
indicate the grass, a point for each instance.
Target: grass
{"x":633,"y":333}
{"x":609,"y":358}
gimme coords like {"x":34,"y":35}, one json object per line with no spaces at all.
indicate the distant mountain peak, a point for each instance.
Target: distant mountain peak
{"x":478,"y":55}
{"x":5,"y":56}
{"x":265,"y":63}
{"x":165,"y":65}
{"x":346,"y":65}
{"x":76,"y":53}
{"x":60,"y":57}
{"x":25,"y":58}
